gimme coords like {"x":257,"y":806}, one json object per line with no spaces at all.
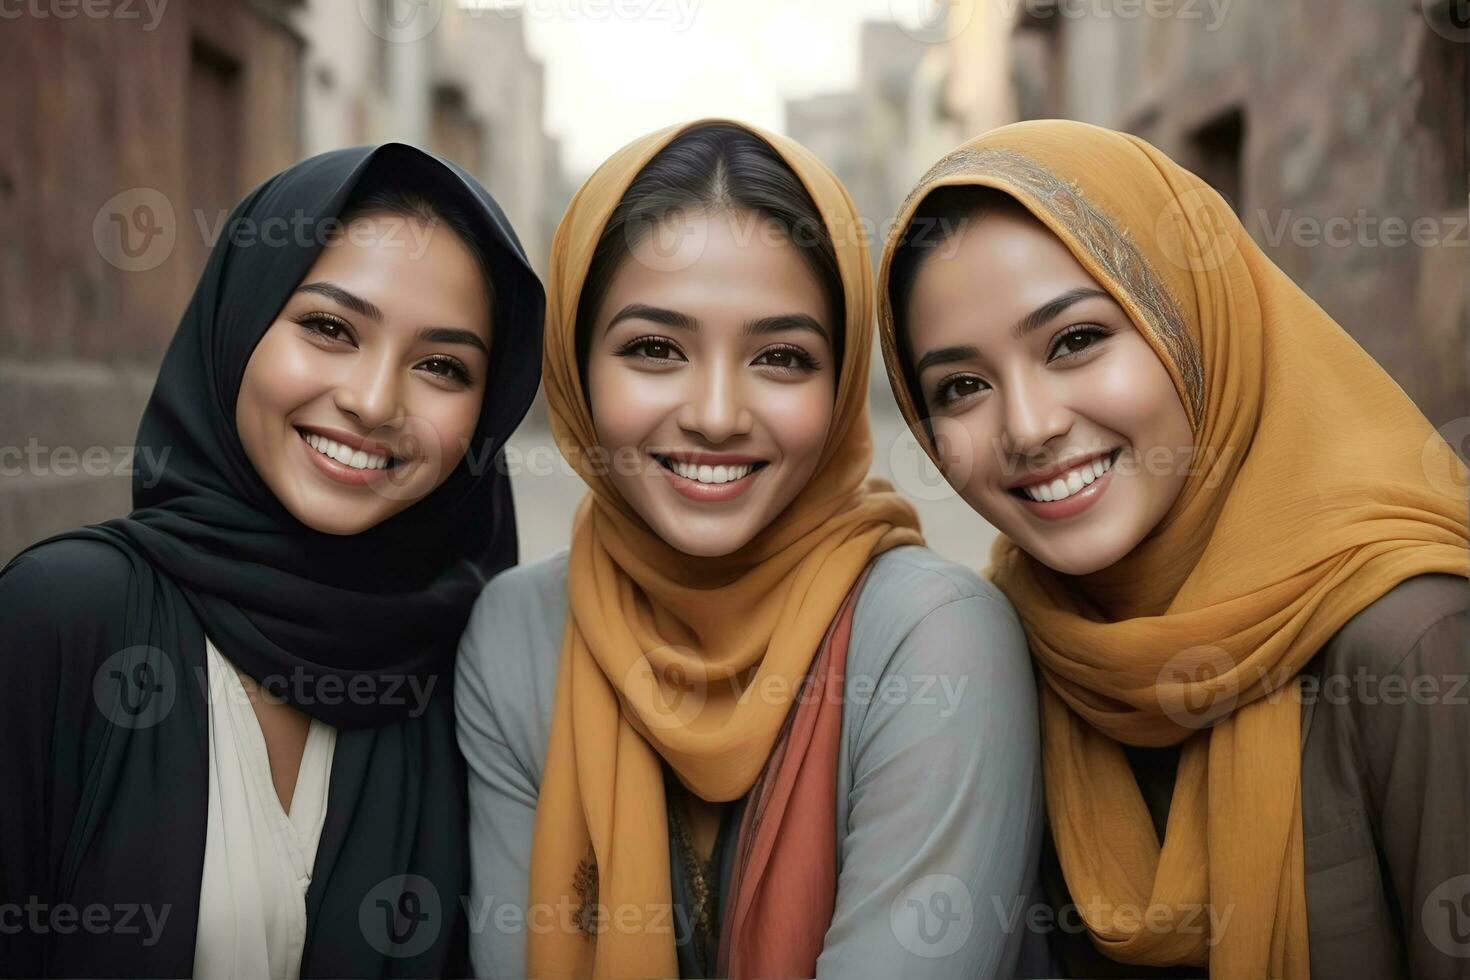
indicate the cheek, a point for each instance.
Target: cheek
{"x":452,"y":418}
{"x":281,"y":374}
{"x":627,"y":406}
{"x":798,"y":417}
{"x":1132,"y":394}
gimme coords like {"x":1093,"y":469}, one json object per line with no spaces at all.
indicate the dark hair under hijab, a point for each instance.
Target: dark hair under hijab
{"x":103,"y":711}
{"x":940,"y":217}
{"x":714,"y":167}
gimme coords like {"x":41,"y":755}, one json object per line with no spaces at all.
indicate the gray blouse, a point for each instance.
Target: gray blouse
{"x":940,"y":808}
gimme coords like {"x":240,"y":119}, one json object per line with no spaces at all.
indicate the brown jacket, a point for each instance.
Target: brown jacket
{"x":1385,"y":797}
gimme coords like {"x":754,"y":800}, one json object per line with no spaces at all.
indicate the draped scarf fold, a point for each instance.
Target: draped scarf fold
{"x":660,"y":645}
{"x":1317,"y":486}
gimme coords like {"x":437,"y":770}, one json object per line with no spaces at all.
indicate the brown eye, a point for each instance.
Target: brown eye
{"x":326,"y":326}
{"x":787,"y":358}
{"x":1077,"y":339}
{"x":956,"y":387}
{"x":650,"y":349}
{"x":448,"y":367}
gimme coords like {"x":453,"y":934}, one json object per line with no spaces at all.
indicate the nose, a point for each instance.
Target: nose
{"x":1033,"y":415}
{"x":371,"y":391}
{"x":715,"y":408}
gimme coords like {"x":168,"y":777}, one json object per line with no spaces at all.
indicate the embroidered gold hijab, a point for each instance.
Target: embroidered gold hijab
{"x":656,"y":637}
{"x":1328,"y":487}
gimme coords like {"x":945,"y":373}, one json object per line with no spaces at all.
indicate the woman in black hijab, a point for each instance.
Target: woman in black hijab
{"x":106,"y":712}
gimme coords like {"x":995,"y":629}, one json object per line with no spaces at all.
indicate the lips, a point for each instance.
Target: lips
{"x":1070,"y":493}
{"x":331,"y":458}
{"x":709,"y":477}
{"x":1069,"y":481}
{"x":1044,"y":475}
{"x":358,"y":459}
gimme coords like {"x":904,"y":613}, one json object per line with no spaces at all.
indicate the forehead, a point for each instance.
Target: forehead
{"x":722,"y":268}
{"x":993,"y":271}
{"x":409,"y":269}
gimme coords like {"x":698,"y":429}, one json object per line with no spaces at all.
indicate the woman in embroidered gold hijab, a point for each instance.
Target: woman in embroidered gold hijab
{"x":1040,"y":282}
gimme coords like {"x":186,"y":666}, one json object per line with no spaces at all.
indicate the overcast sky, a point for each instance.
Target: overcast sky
{"x":611,"y":77}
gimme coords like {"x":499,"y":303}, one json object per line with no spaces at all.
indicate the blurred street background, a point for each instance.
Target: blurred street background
{"x":128,"y":129}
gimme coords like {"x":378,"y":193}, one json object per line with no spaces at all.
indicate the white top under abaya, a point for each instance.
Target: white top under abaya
{"x":257,"y":858}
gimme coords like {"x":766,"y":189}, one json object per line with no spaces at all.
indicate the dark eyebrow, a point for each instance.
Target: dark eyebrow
{"x":453,"y":335}
{"x":654,"y":314}
{"x":945,"y":355}
{"x":360,"y":306}
{"x":1049,"y":311}
{"x":342,"y":297}
{"x":786,"y":321}
{"x":1037,"y":318}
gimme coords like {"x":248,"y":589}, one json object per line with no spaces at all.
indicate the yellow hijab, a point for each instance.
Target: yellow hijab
{"x":1328,"y":487}
{"x":657,"y":642}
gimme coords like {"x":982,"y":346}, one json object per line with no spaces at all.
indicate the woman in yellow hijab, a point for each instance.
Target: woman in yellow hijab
{"x":1238,"y":551}
{"x":747,"y":725}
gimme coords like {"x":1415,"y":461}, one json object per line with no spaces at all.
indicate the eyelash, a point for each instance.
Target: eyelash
{"x":316,"y":321}
{"x":1091,"y":330}
{"x":638,"y":348}
{"x":942,"y":391}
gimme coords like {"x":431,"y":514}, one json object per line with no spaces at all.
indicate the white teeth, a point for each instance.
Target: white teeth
{"x":1074,"y":480}
{"x":356,"y":458}
{"x":710,"y":474}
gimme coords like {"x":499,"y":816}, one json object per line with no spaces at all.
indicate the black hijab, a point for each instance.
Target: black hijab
{"x":104,"y":693}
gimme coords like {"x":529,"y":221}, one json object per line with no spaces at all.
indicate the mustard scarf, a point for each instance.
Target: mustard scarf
{"x":1318,"y":487}
{"x":659,"y":644}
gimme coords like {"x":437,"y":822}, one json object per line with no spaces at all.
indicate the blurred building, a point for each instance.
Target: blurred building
{"x":1337,"y":130}
{"x":863,"y":134}
{"x":129,"y":139}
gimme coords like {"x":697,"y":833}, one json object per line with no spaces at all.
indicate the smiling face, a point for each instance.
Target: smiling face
{"x":711,"y":382}
{"x":1055,"y":418}
{"x":364,"y":393}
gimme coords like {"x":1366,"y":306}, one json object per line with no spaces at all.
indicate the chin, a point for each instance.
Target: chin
{"x":337,"y":523}
{"x":1088,"y":554}
{"x":714,"y":545}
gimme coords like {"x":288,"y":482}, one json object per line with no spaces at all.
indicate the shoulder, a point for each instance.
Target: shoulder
{"x":521,"y":598}
{"x":921,"y":616}
{"x":511,"y":645}
{"x":67,"y":583}
{"x":911,"y":585}
{"x":70,"y":567}
{"x":64,"y":610}
{"x":923,"y":574}
{"x":1426,"y":616}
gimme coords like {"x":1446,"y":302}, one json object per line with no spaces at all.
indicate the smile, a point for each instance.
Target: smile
{"x":1072,"y":481}
{"x":701,"y":480}
{"x":1070,"y":492}
{"x":358,"y":459}
{"x":345,"y":464}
